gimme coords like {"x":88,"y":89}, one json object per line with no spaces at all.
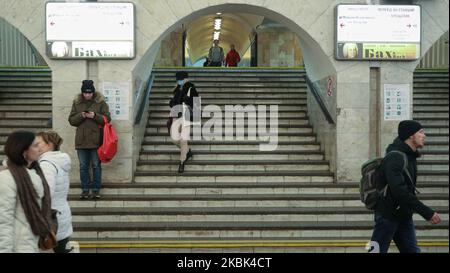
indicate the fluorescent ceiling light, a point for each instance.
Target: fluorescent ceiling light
{"x":216,"y":35}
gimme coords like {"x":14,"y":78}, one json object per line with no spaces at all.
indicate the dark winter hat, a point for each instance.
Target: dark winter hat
{"x":408,"y":128}
{"x":88,"y":86}
{"x":181,"y":75}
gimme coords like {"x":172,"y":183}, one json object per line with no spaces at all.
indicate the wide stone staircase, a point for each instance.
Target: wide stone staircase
{"x":25,"y":101}
{"x":233,"y":197}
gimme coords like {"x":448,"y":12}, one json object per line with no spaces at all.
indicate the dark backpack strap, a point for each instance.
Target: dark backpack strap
{"x":405,"y":168}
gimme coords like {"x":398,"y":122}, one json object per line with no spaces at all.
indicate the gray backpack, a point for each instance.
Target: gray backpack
{"x":373,"y":184}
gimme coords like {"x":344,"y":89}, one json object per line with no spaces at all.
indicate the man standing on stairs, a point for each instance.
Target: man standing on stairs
{"x":182,"y":105}
{"x":394,"y":212}
{"x":87,"y":113}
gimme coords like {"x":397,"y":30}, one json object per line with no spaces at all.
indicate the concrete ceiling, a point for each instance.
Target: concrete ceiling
{"x":237,"y":29}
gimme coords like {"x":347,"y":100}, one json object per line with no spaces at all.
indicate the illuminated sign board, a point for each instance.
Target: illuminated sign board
{"x":378,"y":32}
{"x":90,"y":30}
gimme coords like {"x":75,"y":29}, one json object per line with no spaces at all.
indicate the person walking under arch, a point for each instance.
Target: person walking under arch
{"x":232,"y":58}
{"x":216,"y":55}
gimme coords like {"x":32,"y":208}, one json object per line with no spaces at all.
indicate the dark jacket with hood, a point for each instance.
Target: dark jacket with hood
{"x":88,"y":135}
{"x":186,"y":95}
{"x":401,"y":201}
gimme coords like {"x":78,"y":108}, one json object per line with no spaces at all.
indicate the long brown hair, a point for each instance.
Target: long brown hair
{"x":39,"y":218}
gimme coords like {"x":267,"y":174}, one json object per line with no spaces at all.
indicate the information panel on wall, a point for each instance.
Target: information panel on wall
{"x":397,"y":104}
{"x":90,"y":30}
{"x":378,"y":32}
{"x":117,"y":96}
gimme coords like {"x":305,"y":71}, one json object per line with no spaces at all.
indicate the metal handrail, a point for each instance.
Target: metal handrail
{"x":143,"y":104}
{"x":315,"y":90}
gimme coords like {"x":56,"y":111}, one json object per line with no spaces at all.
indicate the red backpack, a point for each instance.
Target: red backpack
{"x":108,"y":150}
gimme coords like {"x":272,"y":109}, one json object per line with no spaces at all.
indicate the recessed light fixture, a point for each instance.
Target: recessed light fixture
{"x":216,"y":35}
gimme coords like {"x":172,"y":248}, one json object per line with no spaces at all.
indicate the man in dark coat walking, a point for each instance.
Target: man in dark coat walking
{"x":394,"y":212}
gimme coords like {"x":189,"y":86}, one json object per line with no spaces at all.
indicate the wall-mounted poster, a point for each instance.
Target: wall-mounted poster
{"x":397,"y":105}
{"x":378,"y":32}
{"x":89,"y":30}
{"x":118,"y":99}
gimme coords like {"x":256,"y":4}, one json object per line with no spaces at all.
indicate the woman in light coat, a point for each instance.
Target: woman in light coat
{"x":56,"y":167}
{"x":23,"y":221}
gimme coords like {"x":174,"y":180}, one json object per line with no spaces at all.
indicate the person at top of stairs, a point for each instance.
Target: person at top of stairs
{"x":87,"y":113}
{"x":181,"y":112}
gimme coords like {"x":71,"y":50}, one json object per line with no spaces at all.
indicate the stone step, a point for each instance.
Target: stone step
{"x":193,"y":166}
{"x":282,"y":174}
{"x":24,"y":96}
{"x":220,"y":138}
{"x":292,"y":229}
{"x":29,"y":78}
{"x":244,"y":122}
{"x":218,"y":95}
{"x":238,"y":101}
{"x":431,"y":85}
{"x":229,"y":146}
{"x":431,"y":80}
{"x":232,"y":80}
{"x":435,"y":155}
{"x":25,"y":115}
{"x":430,"y":101}
{"x":23,"y":107}
{"x":435,"y":145}
{"x":156,"y":188}
{"x":437,"y":115}
{"x":431,"y":108}
{"x":282,"y":107}
{"x":25,"y":100}
{"x":433,"y":95}
{"x":441,"y":122}
{"x":236,"y":217}
{"x":27,"y":84}
{"x":227,"y":85}
{"x":210,"y":201}
{"x":231,"y":74}
{"x":15,"y":122}
{"x":236,"y":89}
{"x":433,"y":175}
{"x":217,"y":155}
{"x":239,"y":245}
{"x":223,"y":177}
{"x":14,"y":89}
{"x":298,"y":129}
{"x":281,"y":115}
{"x":33,"y":128}
{"x":236,"y":92}
{"x":434,"y":129}
{"x":229,"y":211}
{"x":432,"y":167}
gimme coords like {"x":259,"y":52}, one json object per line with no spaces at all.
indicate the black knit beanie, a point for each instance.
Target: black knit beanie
{"x":87,"y":86}
{"x":181,"y":75}
{"x":408,"y":128}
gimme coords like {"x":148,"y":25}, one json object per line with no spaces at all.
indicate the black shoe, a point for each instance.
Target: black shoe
{"x":84,"y":195}
{"x":96,"y":195}
{"x":189,"y":155}
{"x":181,"y":168}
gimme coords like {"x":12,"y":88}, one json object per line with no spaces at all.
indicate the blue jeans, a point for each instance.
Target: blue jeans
{"x":403,"y":233}
{"x":86,"y":157}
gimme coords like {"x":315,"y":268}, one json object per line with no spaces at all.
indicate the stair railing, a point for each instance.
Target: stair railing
{"x":316,"y":91}
{"x":143,"y":100}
